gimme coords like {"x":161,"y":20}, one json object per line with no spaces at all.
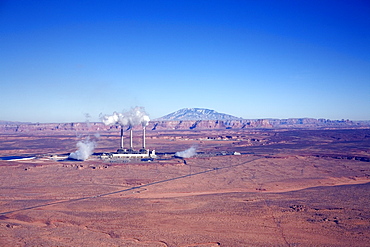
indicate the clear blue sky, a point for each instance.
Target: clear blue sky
{"x":60,"y":60}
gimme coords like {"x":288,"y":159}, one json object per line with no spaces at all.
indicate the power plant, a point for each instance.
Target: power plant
{"x":122,"y":152}
{"x":136,"y":116}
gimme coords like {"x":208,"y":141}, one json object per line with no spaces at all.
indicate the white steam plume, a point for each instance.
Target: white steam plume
{"x":136,"y":116}
{"x":87,"y":117}
{"x":85,"y":149}
{"x":188,"y":153}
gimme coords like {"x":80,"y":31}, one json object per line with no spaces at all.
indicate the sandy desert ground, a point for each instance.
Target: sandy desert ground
{"x":287,"y":188}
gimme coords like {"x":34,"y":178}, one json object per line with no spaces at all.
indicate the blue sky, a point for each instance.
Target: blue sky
{"x":61,"y":60}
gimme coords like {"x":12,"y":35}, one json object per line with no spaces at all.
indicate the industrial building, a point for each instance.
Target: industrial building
{"x":130,"y":153}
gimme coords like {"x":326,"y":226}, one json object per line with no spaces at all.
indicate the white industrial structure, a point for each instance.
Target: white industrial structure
{"x":130,"y":153}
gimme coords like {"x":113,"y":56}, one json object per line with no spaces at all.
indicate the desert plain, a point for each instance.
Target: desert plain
{"x":288,"y":187}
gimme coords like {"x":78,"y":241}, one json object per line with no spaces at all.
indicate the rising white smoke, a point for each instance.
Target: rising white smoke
{"x":188,"y":153}
{"x":85,"y":148}
{"x":114,"y":119}
{"x":131,"y":118}
{"x":87,"y":117}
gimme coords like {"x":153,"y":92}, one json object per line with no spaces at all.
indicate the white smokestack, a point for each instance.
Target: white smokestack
{"x":121,"y":137}
{"x":144,"y":122}
{"x":131,"y":139}
{"x":144,"y":137}
{"x":136,"y":116}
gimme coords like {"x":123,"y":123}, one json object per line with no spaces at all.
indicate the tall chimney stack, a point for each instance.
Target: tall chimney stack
{"x":131,"y":138}
{"x":144,"y":137}
{"x":122,"y":137}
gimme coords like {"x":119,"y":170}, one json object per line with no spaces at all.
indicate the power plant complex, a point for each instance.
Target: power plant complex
{"x":136,"y":116}
{"x":122,"y":152}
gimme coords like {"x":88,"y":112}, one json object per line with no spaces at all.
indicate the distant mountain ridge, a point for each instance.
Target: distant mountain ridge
{"x":239,"y":124}
{"x":196,"y":114}
{"x":186,"y":119}
{"x":13,"y":122}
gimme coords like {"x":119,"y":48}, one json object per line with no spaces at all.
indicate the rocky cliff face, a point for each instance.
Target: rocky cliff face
{"x":254,"y":123}
{"x":185,"y":125}
{"x":210,"y":124}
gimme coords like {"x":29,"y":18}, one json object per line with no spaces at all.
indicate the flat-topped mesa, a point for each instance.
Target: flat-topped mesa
{"x":255,"y":123}
{"x":213,"y":124}
{"x":187,"y":125}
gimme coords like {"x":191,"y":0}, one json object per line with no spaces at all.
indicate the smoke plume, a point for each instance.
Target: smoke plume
{"x":87,"y":117}
{"x":131,"y":118}
{"x":188,"y":153}
{"x":85,"y":148}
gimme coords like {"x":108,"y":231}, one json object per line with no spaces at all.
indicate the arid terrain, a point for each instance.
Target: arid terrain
{"x":288,"y":187}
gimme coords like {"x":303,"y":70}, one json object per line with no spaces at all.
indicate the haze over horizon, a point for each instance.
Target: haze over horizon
{"x":61,"y":60}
